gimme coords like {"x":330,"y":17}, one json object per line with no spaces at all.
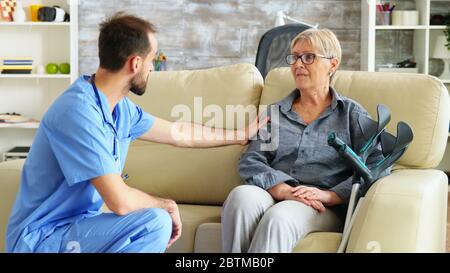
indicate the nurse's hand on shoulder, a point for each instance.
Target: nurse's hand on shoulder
{"x":252,"y":130}
{"x":174,"y":213}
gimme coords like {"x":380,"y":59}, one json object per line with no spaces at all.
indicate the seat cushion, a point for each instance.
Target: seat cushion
{"x":425,"y":106}
{"x":208,"y":240}
{"x":192,"y":216}
{"x":319,"y":242}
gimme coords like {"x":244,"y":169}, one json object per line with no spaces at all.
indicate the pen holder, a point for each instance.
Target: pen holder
{"x":383,"y":18}
{"x":34,"y":12}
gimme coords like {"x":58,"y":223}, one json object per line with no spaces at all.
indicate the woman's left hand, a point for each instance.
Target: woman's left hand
{"x":328,"y":198}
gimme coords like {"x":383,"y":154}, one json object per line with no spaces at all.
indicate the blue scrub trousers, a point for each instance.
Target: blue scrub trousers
{"x":143,"y":231}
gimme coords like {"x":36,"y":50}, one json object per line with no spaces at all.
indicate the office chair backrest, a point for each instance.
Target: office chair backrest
{"x":275,"y":45}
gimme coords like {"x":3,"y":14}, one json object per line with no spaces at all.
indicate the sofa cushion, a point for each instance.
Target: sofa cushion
{"x":403,"y":212}
{"x":400,"y":92}
{"x":10,"y":177}
{"x":193,"y":176}
{"x":192,"y":216}
{"x":319,"y":242}
{"x":208,"y":238}
{"x":201,"y":224}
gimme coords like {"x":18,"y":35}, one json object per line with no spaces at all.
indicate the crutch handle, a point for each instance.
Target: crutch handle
{"x":346,"y":152}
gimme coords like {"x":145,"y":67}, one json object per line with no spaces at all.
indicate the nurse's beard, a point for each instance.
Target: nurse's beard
{"x":138,"y":88}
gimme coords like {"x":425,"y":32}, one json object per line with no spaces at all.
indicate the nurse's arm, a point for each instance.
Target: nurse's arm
{"x":123,"y":199}
{"x":190,"y":135}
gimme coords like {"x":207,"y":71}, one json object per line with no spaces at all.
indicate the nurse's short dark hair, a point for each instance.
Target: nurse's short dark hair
{"x":121,"y":36}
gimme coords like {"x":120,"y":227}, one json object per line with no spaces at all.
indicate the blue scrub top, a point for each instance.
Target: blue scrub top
{"x":79,"y":139}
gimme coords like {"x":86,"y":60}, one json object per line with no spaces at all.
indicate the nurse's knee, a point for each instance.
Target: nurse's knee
{"x":155,"y":229}
{"x":163,"y":217}
{"x":160,"y":221}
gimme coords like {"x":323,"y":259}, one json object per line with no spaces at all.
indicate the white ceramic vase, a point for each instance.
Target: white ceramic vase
{"x":19,"y":14}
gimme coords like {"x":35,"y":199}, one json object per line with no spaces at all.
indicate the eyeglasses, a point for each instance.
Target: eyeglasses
{"x":307,"y":58}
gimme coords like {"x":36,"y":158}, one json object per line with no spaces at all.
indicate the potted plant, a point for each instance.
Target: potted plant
{"x":447,"y":30}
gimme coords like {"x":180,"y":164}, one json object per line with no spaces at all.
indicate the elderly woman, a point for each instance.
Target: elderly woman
{"x":302,"y":186}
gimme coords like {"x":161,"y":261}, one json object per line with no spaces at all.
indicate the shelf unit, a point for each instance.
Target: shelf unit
{"x":400,"y":27}
{"x":424,"y":34}
{"x":25,"y":125}
{"x":35,"y":76}
{"x":32,"y":94}
{"x":35,"y":24}
{"x":437,"y":27}
{"x":422,"y":44}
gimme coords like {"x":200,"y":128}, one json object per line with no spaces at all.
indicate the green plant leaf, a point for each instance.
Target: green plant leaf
{"x":447,"y":30}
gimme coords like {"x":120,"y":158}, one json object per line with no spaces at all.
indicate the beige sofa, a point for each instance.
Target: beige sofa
{"x":404,"y":212}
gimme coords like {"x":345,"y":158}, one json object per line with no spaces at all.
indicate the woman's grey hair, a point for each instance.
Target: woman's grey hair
{"x":323,"y":40}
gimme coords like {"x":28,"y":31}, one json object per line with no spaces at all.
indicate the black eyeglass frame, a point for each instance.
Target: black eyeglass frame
{"x":301,"y":57}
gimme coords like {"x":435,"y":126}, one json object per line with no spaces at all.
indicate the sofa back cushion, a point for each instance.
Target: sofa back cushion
{"x":197,"y":176}
{"x":10,"y":173}
{"x":420,"y":100}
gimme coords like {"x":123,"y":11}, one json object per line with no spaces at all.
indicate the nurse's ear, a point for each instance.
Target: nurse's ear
{"x":135,"y":63}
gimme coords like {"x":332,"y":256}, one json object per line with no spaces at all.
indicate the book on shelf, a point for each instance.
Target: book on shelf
{"x":9,"y":72}
{"x":17,"y":60}
{"x":17,"y":63}
{"x":17,"y":66}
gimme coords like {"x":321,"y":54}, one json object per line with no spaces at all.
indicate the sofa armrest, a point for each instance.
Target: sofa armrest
{"x":403,"y":212}
{"x":10,"y":173}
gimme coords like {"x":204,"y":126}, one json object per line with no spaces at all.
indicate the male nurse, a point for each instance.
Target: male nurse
{"x":79,"y":152}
